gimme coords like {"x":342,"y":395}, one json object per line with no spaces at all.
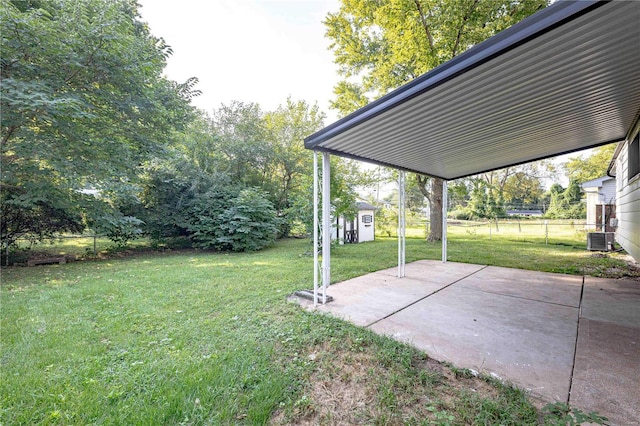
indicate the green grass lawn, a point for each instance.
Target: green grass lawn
{"x":209,"y":338}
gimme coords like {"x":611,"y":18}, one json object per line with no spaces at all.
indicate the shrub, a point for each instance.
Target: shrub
{"x":118,"y":228}
{"x":249,"y":223}
{"x":245,"y":222}
{"x":205,"y":217}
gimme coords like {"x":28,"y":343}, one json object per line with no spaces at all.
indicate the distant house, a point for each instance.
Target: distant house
{"x":523,"y":212}
{"x":625,"y":167}
{"x":601,"y":198}
{"x":358,"y":230}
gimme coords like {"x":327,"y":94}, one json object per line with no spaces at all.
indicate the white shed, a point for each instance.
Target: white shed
{"x":601,"y":194}
{"x":361,"y":228}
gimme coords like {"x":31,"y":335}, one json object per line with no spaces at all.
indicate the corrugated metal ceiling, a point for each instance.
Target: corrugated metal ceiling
{"x":567,"y":78}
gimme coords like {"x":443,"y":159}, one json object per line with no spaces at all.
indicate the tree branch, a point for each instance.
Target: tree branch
{"x":425,"y":26}
{"x":10,"y":132}
{"x":86,"y":63}
{"x":422,"y":184}
{"x":460,"y":30}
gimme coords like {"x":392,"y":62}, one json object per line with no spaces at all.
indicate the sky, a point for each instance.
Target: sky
{"x":260,"y":51}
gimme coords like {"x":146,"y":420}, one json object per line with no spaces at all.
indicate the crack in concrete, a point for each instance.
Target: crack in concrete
{"x":428,"y":295}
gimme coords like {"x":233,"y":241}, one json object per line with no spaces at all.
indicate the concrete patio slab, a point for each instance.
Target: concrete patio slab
{"x":367,"y":299}
{"x":544,"y":287}
{"x":526,"y":342}
{"x":610,"y":300}
{"x":563,"y":338}
{"x":607,"y":366}
{"x":435,"y":271}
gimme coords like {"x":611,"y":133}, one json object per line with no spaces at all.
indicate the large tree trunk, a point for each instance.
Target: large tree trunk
{"x":431,"y":188}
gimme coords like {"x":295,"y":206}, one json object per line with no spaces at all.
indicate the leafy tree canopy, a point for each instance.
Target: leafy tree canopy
{"x":83,"y":102}
{"x":582,"y":169}
{"x":380,"y":45}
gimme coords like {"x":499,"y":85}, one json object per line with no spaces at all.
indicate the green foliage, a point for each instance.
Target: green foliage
{"x":566,"y":203}
{"x":249,"y":223}
{"x":522,"y":191}
{"x":379,"y":46}
{"x":594,"y":166}
{"x":482,"y":203}
{"x":561,"y":414}
{"x":204,"y":217}
{"x":83,"y":103}
{"x":386,"y":221}
{"x":118,"y":228}
{"x":287,"y":127}
{"x":240,"y":146}
{"x":35,"y":216}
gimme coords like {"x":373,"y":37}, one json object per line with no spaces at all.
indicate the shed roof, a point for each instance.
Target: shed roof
{"x":596,"y":183}
{"x":363,"y":205}
{"x":565,"y":79}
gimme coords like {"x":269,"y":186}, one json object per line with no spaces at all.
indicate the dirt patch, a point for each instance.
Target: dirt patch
{"x":619,"y":267}
{"x":351,"y":385}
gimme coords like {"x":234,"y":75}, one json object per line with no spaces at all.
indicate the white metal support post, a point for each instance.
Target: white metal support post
{"x":316,"y":229}
{"x":401,"y":223}
{"x":326,"y":224}
{"x":445,"y":201}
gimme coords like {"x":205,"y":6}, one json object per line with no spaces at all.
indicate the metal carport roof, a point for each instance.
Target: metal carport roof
{"x":565,"y":79}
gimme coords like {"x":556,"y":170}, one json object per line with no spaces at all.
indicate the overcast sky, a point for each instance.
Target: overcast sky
{"x":248,"y":50}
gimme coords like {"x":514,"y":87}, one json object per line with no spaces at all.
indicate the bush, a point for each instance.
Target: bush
{"x":118,"y":228}
{"x":246,"y":222}
{"x":204,"y":217}
{"x":249,"y":224}
{"x":461,"y":214}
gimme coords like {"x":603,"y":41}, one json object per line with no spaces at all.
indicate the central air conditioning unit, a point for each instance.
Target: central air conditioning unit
{"x":600,"y":241}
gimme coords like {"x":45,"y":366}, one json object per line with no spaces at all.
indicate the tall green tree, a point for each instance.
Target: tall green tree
{"x":83,"y":104}
{"x":287,"y":127}
{"x":380,"y":45}
{"x":242,"y":139}
{"x":582,"y":169}
{"x":238,"y":147}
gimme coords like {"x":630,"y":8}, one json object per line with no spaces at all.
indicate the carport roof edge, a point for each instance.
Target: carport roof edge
{"x":406,"y":102}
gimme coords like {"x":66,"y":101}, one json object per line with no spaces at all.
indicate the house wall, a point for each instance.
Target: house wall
{"x":627,"y":205}
{"x":609,"y":191}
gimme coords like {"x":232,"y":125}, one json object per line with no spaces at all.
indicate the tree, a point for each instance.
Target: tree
{"x":287,"y":127}
{"x":83,"y":104}
{"x":381,"y":45}
{"x":522,"y":191}
{"x":583,"y":169}
{"x":566,"y":203}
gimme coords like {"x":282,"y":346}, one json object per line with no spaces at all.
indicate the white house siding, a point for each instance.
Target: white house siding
{"x":609,"y":191}
{"x":627,"y":206}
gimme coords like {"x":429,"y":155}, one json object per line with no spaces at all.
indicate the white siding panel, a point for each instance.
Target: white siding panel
{"x":628,"y":208}
{"x":609,"y":191}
